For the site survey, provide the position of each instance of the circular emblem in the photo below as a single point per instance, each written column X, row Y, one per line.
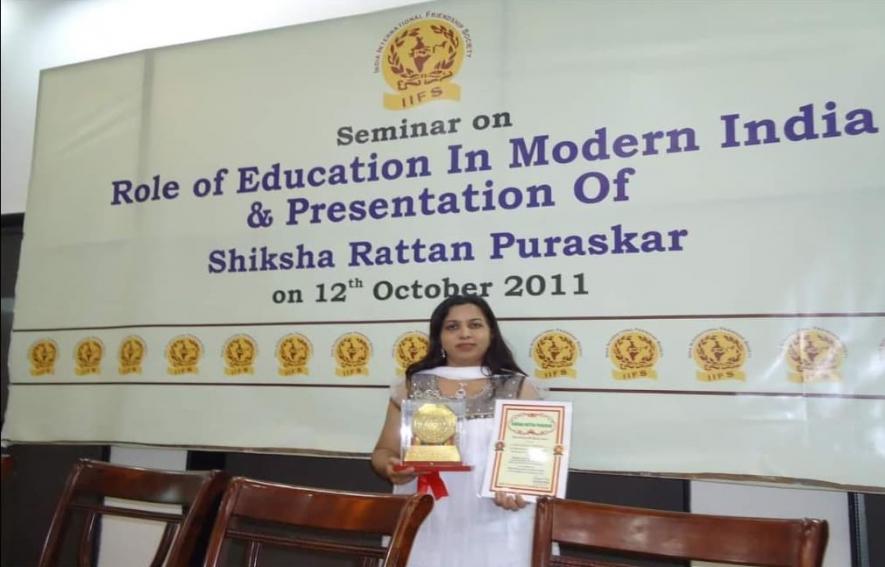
column 132, row 351
column 293, row 351
column 633, row 350
column 87, row 356
column 410, row 348
column 183, row 354
column 421, row 54
column 434, row 424
column 351, row 352
column 719, row 349
column 555, row 353
column 814, row 354
column 240, row 351
column 42, row 356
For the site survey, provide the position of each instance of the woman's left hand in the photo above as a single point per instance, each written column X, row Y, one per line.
column 510, row 501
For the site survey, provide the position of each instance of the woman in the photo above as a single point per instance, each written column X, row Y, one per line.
column 469, row 360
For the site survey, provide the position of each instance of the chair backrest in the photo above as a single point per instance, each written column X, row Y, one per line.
column 90, row 481
column 249, row 506
column 640, row 532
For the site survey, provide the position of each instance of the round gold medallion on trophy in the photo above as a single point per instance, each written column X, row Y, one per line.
column 434, row 424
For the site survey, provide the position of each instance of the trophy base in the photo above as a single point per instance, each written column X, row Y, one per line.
column 423, row 467
column 432, row 454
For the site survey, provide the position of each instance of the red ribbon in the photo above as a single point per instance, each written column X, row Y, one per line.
column 433, row 483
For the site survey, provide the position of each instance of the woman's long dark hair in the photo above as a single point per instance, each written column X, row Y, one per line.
column 498, row 358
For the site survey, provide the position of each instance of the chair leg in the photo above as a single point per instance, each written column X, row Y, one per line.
column 87, row 541
column 165, row 544
column 252, row 554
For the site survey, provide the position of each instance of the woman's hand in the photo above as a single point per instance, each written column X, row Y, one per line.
column 400, row 476
column 510, row 501
column 386, row 454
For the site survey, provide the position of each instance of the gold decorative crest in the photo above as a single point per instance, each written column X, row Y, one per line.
column 409, row 349
column 352, row 352
column 720, row 354
column 87, row 356
column 293, row 354
column 555, row 353
column 42, row 356
column 183, row 355
column 239, row 355
column 634, row 354
column 814, row 355
column 419, row 62
column 131, row 355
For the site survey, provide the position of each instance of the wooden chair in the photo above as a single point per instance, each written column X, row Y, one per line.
column 90, row 481
column 639, row 532
column 250, row 508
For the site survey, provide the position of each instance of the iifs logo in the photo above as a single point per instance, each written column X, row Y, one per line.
column 410, row 348
column 634, row 353
column 420, row 60
column 87, row 356
column 555, row 352
column 352, row 352
column 814, row 355
column 720, row 354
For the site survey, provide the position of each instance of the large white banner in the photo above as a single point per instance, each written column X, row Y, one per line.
column 675, row 208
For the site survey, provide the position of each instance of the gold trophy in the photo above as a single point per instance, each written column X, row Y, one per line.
column 431, row 434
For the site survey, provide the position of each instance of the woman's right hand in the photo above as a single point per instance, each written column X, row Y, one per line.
column 398, row 476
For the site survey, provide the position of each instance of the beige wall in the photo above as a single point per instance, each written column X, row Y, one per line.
column 38, row 34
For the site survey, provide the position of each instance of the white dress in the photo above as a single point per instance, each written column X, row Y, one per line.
column 465, row 529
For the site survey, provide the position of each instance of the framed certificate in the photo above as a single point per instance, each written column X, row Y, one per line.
column 530, row 450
